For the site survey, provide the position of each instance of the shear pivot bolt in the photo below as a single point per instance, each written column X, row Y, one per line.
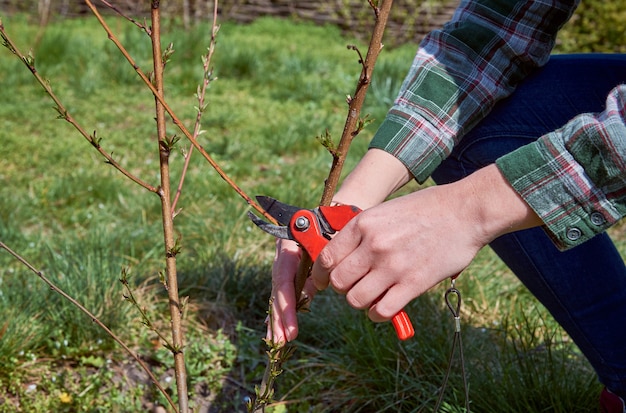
column 302, row 223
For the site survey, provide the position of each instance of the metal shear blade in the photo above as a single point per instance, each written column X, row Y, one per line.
column 280, row 211
column 284, row 213
column 275, row 230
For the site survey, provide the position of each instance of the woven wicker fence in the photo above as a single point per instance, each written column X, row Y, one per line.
column 409, row 20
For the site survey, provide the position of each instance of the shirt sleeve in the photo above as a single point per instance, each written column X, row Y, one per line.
column 575, row 178
column 461, row 71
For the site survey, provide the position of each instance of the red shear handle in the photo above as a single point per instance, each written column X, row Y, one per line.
column 403, row 326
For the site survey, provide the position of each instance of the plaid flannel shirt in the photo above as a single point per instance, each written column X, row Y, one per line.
column 574, row 178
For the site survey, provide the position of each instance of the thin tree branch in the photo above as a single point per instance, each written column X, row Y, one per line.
column 130, row 297
column 143, row 26
column 352, row 127
column 279, row 352
column 200, row 94
column 171, row 248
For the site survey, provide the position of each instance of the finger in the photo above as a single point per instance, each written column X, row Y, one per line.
column 368, row 290
column 284, row 312
column 341, row 246
column 351, row 271
column 319, row 274
column 283, row 325
column 286, row 259
column 390, row 303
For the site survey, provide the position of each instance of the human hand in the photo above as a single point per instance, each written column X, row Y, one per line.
column 283, row 324
column 393, row 252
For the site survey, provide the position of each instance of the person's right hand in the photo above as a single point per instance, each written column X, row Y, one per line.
column 391, row 253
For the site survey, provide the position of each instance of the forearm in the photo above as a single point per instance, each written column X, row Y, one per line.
column 486, row 199
column 377, row 175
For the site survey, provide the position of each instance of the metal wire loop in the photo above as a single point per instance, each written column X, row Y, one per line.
column 455, row 309
column 453, row 301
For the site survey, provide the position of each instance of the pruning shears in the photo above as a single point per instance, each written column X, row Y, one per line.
column 312, row 230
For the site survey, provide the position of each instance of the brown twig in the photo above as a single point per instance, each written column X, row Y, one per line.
column 277, row 354
column 352, row 127
column 143, row 26
column 130, row 297
column 93, row 318
column 171, row 249
column 374, row 8
column 200, row 94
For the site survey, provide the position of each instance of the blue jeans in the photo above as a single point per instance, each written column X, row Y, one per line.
column 583, row 288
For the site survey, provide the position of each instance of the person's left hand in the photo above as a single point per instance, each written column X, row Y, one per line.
column 283, row 325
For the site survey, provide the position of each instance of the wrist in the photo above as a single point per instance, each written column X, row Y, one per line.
column 493, row 205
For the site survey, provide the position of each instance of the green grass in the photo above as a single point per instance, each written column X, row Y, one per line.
column 280, row 84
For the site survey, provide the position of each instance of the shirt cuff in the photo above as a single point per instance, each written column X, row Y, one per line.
column 413, row 140
column 557, row 188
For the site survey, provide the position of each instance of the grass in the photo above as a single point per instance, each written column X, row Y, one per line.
column 279, row 85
